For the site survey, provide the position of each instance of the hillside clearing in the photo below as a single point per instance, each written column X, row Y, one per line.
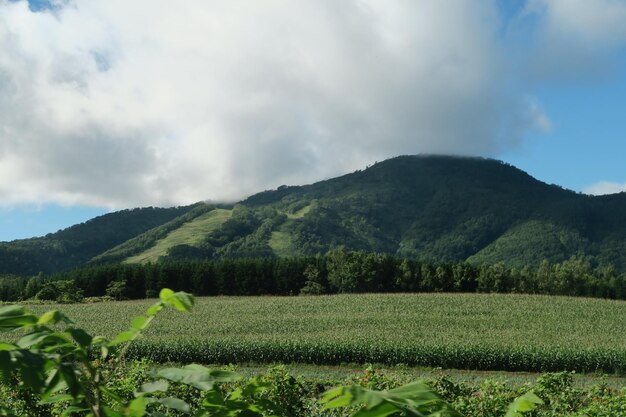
column 191, row 233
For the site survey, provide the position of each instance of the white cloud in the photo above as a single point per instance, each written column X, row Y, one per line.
column 598, row 21
column 605, row 187
column 119, row 103
column 576, row 39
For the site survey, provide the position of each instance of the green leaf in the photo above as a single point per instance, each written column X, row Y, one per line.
column 196, row 376
column 98, row 340
column 54, row 383
column 104, row 351
column 74, row 409
column 217, row 374
column 154, row 309
column 109, row 412
column 11, row 320
column 414, row 390
column 411, row 399
column 181, row 300
column 7, row 346
column 12, row 311
column 337, row 397
column 137, row 407
column 523, row 404
column 107, row 392
column 236, row 394
column 150, row 387
column 139, row 322
column 81, row 337
column 53, row 317
column 73, row 384
column 32, row 339
column 6, row 365
column 56, row 399
column 383, row 409
column 175, row 404
column 165, row 294
column 123, row 337
column 214, row 399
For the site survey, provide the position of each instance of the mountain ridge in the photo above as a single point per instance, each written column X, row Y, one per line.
column 431, row 207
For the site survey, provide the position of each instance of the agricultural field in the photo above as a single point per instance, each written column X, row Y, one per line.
column 462, row 331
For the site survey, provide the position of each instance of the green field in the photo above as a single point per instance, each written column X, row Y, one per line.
column 191, row 233
column 477, row 331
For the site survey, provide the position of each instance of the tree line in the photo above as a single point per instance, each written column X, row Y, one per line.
column 339, row 271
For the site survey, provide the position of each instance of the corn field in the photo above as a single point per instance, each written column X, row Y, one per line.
column 465, row 331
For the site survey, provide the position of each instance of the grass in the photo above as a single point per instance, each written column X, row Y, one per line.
column 337, row 374
column 280, row 241
column 191, row 233
column 300, row 213
column 463, row 331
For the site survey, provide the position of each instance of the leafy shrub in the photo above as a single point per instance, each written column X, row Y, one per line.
column 64, row 291
column 312, row 288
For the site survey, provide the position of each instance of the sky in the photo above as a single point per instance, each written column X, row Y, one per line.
column 111, row 104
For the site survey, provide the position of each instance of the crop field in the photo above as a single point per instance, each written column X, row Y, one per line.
column 463, row 331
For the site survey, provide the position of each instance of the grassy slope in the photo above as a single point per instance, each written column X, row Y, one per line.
column 495, row 329
column 191, row 233
column 281, row 240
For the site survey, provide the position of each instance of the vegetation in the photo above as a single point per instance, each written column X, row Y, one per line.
column 445, row 209
column 430, row 208
column 189, row 234
column 340, row 271
column 76, row 245
column 293, row 395
column 150, row 238
column 57, row 368
column 461, row 331
column 51, row 372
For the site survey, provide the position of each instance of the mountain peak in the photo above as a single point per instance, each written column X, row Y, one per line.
column 431, row 207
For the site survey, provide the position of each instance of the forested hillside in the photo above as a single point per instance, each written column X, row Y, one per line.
column 430, row 208
column 76, row 245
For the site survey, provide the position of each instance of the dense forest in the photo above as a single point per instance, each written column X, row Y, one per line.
column 435, row 209
column 339, row 271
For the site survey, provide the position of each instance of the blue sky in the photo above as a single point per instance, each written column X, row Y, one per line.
column 112, row 104
column 587, row 142
column 29, row 221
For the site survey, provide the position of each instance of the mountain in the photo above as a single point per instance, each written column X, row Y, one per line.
column 76, row 245
column 436, row 208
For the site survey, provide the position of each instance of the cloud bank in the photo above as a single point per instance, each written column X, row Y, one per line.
column 605, row 187
column 116, row 103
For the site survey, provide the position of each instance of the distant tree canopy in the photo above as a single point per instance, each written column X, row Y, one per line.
column 339, row 271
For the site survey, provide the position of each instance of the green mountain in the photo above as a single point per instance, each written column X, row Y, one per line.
column 78, row 244
column 436, row 208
